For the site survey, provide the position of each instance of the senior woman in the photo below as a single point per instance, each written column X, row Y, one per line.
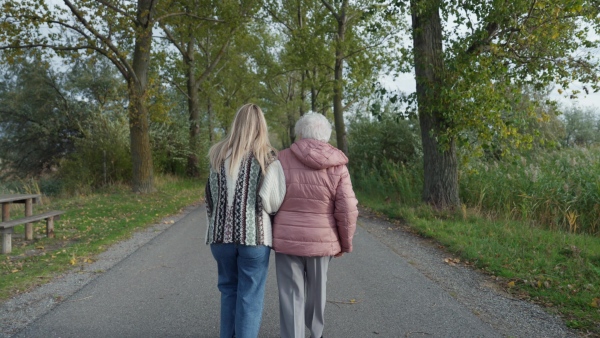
column 315, row 222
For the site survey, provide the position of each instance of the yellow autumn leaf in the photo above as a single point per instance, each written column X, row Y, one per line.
column 511, row 284
column 73, row 260
column 15, row 270
column 595, row 302
column 539, row 284
column 352, row 301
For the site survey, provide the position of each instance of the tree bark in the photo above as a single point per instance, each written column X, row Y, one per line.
column 338, row 86
column 440, row 162
column 141, row 155
column 313, row 91
column 193, row 108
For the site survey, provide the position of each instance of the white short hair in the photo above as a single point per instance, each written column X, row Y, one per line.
column 314, row 126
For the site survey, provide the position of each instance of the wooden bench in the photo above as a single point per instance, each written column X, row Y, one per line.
column 6, row 228
column 28, row 200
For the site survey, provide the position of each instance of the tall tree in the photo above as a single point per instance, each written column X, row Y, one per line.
column 120, row 31
column 364, row 35
column 202, row 38
column 496, row 48
column 440, row 163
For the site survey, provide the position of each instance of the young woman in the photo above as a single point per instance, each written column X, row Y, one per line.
column 245, row 185
column 316, row 221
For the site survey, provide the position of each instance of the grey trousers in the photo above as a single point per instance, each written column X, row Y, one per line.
column 302, row 283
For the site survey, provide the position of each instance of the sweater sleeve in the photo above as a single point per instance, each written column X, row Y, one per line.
column 273, row 188
column 346, row 211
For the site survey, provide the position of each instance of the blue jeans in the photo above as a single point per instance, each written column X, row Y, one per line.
column 242, row 277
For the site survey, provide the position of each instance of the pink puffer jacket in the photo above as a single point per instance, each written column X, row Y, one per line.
column 319, row 211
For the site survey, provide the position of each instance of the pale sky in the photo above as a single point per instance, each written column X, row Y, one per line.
column 406, row 83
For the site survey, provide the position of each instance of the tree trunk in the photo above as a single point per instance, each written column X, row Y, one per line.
column 440, row 163
column 141, row 154
column 291, row 129
column 193, row 110
column 209, row 114
column 313, row 90
column 338, row 86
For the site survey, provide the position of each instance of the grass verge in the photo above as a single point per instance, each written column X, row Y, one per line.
column 558, row 270
column 91, row 223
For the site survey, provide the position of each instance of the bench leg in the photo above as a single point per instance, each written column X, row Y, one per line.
column 50, row 227
column 5, row 212
column 28, row 226
column 6, row 241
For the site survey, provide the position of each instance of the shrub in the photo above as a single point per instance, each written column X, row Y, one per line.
column 101, row 157
column 373, row 143
column 386, row 158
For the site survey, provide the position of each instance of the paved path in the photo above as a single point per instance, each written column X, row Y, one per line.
column 167, row 288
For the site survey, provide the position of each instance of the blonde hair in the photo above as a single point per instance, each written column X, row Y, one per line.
column 248, row 133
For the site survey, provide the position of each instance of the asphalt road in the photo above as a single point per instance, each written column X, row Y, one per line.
column 167, row 288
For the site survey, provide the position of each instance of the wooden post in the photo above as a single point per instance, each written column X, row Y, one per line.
column 6, row 240
column 28, row 226
column 50, row 227
column 5, row 212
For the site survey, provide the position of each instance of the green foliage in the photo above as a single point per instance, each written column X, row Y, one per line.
column 582, row 127
column 101, row 157
column 558, row 190
column 170, row 146
column 390, row 182
column 500, row 53
column 385, row 151
column 39, row 119
column 390, row 139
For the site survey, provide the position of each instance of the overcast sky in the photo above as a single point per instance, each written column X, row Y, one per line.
column 406, row 83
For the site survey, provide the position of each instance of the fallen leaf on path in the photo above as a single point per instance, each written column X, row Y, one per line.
column 511, row 284
column 452, row 261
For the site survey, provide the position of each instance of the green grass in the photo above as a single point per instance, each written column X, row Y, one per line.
column 558, row 190
column 558, row 270
column 91, row 223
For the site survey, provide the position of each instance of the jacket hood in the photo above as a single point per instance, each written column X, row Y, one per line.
column 318, row 154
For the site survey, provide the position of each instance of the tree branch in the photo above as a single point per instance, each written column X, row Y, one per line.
column 274, row 15
column 189, row 15
column 119, row 66
column 492, row 30
column 331, row 9
column 173, row 40
column 214, row 63
column 124, row 65
column 176, row 86
column 118, row 10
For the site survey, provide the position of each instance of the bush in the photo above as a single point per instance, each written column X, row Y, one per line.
column 101, row 157
column 373, row 143
column 386, row 158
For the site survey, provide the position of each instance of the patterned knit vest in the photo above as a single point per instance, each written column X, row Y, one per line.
column 241, row 222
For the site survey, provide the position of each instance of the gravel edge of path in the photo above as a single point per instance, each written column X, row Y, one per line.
column 21, row 310
column 479, row 292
